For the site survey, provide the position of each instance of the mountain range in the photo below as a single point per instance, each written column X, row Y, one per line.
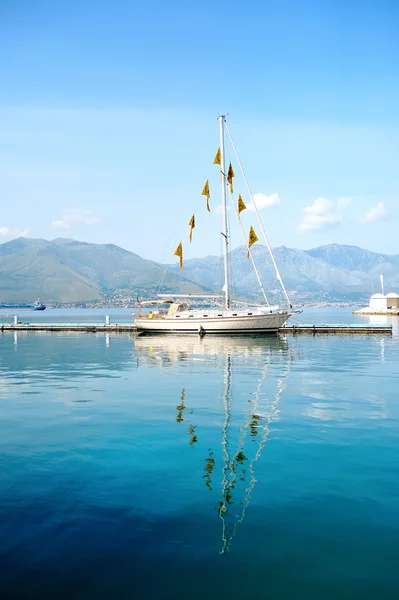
column 335, row 271
column 68, row 271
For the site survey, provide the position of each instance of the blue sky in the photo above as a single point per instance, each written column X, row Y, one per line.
column 108, row 120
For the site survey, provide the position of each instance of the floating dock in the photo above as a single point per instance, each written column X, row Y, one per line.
column 310, row 329
column 355, row 328
column 80, row 327
column 375, row 312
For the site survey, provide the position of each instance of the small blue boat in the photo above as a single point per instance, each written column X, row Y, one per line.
column 38, row 305
column 35, row 306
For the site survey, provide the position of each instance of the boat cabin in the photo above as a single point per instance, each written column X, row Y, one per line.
column 167, row 309
column 162, row 308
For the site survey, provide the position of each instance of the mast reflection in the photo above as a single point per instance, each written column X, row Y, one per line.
column 240, row 447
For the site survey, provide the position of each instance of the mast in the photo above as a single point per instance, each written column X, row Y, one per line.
column 225, row 232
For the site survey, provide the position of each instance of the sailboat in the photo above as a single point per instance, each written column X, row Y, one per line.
column 177, row 314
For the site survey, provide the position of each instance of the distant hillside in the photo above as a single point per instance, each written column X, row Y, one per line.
column 65, row 270
column 350, row 258
column 366, row 264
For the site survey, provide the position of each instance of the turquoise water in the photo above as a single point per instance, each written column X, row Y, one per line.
column 186, row 468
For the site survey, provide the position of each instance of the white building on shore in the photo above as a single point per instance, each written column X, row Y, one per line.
column 381, row 304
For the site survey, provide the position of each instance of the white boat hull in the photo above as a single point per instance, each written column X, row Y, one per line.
column 264, row 323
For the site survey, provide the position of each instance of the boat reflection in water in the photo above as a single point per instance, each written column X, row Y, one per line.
column 246, row 424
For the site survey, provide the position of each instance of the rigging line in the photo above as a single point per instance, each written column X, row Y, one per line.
column 281, row 385
column 249, row 250
column 258, row 216
column 173, row 234
column 243, row 435
column 269, row 265
column 164, row 250
column 244, row 429
column 161, row 280
column 271, row 287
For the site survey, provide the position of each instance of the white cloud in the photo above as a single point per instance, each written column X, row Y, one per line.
column 378, row 213
column 323, row 213
column 263, row 201
column 321, row 206
column 75, row 217
column 13, row 232
column 319, row 215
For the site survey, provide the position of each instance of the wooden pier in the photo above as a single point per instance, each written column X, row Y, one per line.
column 79, row 327
column 323, row 329
column 353, row 328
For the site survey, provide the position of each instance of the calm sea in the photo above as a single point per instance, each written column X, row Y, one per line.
column 174, row 467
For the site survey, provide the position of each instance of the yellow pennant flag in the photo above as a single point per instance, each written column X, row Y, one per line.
column 217, row 160
column 241, row 204
column 252, row 238
column 179, row 252
column 205, row 192
column 230, row 176
column 192, row 225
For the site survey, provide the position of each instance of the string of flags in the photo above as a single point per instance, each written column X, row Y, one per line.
column 230, row 176
column 252, row 237
column 241, row 204
column 179, row 252
column 191, row 225
column 218, row 161
column 205, row 192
